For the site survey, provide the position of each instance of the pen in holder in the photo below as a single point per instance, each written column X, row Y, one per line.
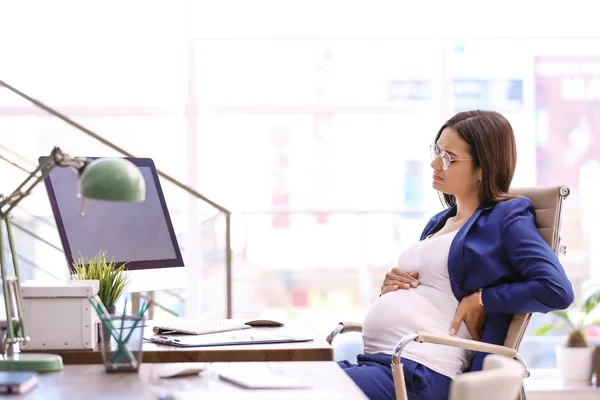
column 122, row 350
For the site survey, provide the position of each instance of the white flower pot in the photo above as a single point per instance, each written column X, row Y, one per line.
column 575, row 364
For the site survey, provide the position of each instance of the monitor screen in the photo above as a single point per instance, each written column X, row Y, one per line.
column 138, row 234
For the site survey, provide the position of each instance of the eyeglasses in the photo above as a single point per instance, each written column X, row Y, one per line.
column 436, row 152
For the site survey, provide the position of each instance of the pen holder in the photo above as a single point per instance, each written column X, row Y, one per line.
column 122, row 350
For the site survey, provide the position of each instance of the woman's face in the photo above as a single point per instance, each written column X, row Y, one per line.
column 461, row 178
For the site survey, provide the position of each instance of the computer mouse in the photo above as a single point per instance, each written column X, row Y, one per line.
column 263, row 323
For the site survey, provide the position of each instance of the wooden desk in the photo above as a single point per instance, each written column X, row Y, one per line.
column 90, row 382
column 317, row 350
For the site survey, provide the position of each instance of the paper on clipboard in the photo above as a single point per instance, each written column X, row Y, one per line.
column 264, row 377
column 224, row 339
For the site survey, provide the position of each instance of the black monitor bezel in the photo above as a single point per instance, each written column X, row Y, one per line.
column 129, row 265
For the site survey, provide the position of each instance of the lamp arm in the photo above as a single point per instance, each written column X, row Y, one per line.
column 13, row 253
column 18, row 194
column 7, row 298
column 56, row 158
column 13, row 301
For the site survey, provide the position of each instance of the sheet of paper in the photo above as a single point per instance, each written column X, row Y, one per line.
column 251, row 380
column 223, row 339
column 264, row 376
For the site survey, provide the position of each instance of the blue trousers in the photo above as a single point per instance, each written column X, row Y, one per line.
column 373, row 375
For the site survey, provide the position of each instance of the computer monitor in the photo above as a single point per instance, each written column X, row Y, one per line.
column 139, row 235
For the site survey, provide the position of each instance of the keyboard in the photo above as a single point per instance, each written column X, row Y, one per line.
column 193, row 327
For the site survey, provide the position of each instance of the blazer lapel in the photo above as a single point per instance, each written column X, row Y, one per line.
column 456, row 255
column 449, row 212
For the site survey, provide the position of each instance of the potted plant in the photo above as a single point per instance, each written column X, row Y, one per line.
column 113, row 279
column 575, row 359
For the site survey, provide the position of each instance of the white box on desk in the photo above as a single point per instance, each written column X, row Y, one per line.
column 58, row 314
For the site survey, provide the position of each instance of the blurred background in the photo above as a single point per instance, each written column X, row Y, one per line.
column 310, row 121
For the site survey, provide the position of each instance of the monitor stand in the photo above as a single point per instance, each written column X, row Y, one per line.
column 149, row 280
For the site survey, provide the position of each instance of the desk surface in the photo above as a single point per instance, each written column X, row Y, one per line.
column 90, row 382
column 317, row 350
column 328, row 381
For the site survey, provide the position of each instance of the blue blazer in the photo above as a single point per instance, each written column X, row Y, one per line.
column 500, row 250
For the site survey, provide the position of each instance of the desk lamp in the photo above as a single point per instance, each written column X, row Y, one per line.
column 113, row 179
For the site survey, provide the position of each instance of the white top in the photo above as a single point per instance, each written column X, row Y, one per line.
column 429, row 307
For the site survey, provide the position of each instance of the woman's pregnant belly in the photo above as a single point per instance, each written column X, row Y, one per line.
column 402, row 312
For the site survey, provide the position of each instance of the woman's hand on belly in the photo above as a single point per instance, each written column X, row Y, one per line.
column 472, row 313
column 398, row 279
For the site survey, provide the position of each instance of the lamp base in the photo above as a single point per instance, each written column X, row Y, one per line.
column 31, row 362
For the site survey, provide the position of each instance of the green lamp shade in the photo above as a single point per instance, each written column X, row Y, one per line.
column 113, row 179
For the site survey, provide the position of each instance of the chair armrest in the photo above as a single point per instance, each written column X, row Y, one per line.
column 425, row 337
column 447, row 340
column 344, row 327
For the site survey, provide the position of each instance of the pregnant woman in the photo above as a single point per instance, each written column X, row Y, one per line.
column 477, row 263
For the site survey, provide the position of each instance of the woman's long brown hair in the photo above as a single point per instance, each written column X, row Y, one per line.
column 492, row 145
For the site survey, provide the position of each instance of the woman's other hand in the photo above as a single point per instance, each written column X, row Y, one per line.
column 398, row 279
column 474, row 315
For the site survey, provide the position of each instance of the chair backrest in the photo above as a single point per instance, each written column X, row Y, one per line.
column 500, row 379
column 547, row 202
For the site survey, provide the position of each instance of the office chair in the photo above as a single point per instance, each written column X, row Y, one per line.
column 500, row 379
column 547, row 202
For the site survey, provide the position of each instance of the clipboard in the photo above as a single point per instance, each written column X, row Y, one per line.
column 223, row 340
